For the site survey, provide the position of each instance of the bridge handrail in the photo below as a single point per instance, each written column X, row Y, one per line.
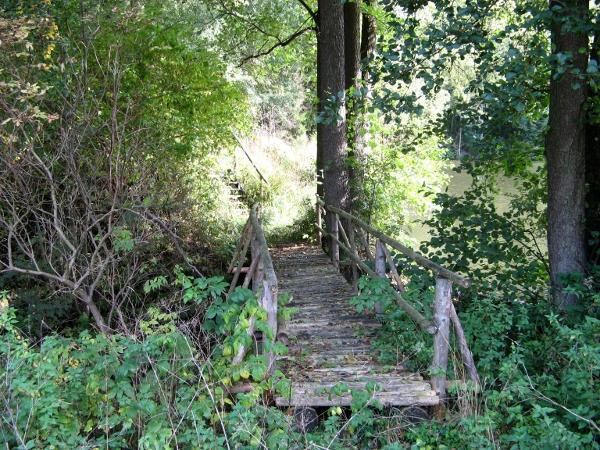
column 262, row 275
column 444, row 313
column 410, row 253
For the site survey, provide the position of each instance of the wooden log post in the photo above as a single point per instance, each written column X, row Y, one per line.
column 240, row 263
column 238, row 247
column 319, row 224
column 352, row 240
column 268, row 302
column 441, row 339
column 379, row 270
column 268, row 288
column 334, row 243
column 258, row 275
column 465, row 352
column 251, row 271
column 393, row 269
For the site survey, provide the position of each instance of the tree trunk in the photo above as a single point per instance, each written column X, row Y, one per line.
column 565, row 152
column 352, row 45
column 320, row 127
column 333, row 132
column 592, row 170
column 368, row 38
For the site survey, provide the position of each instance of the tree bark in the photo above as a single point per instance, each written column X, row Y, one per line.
column 368, row 38
column 352, row 46
column 332, row 78
column 592, row 170
column 320, row 127
column 565, row 151
column 358, row 141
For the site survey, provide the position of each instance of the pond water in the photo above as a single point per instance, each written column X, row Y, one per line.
column 458, row 184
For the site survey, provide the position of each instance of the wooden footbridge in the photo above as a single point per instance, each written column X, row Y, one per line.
column 329, row 343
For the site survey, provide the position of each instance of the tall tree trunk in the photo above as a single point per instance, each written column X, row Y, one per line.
column 320, row 127
column 565, row 151
column 333, row 132
column 352, row 46
column 368, row 38
column 359, row 142
column 592, row 170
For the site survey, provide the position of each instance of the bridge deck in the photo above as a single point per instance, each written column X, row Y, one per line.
column 330, row 342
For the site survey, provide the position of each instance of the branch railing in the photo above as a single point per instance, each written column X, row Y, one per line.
column 261, row 274
column 350, row 234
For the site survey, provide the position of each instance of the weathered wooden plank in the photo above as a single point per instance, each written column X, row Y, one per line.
column 393, row 384
column 339, row 334
column 342, row 320
column 329, row 342
column 310, row 377
column 426, row 398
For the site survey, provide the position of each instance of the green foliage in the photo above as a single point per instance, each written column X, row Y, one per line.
column 402, row 173
column 485, row 66
column 154, row 392
column 398, row 341
column 96, row 390
column 278, row 79
column 502, row 251
column 540, row 370
column 151, row 94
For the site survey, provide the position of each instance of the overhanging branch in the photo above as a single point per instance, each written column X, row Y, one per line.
column 280, row 43
column 312, row 13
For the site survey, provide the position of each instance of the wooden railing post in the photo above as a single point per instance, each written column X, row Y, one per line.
column 319, row 224
column 465, row 352
column 266, row 283
column 441, row 343
column 268, row 302
column 258, row 275
column 334, row 243
column 444, row 312
column 247, row 238
column 352, row 240
column 379, row 269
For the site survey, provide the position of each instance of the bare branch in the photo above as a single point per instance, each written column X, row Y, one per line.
column 280, row 43
column 313, row 14
column 174, row 237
